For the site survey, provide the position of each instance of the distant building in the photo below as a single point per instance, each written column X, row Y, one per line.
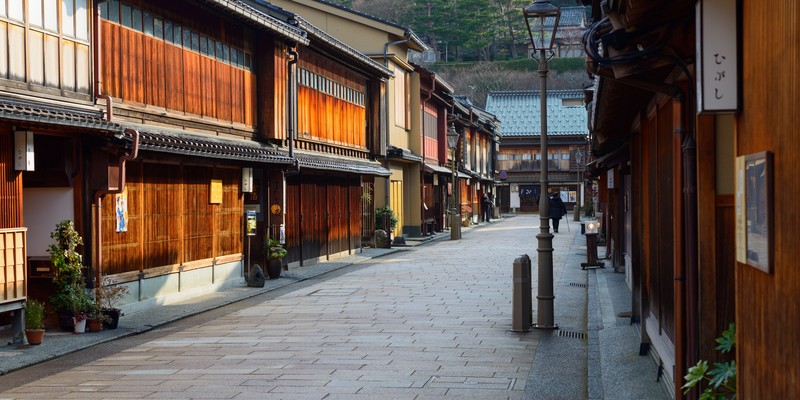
column 519, row 156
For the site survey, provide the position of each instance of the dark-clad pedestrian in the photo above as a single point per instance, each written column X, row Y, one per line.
column 557, row 210
column 486, row 203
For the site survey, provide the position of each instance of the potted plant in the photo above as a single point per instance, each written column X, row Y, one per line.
column 74, row 303
column 70, row 300
column 107, row 296
column 96, row 317
column 383, row 213
column 275, row 252
column 385, row 222
column 34, row 321
column 466, row 215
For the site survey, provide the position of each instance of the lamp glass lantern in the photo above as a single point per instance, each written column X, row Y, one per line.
column 455, row 227
column 542, row 19
column 452, row 137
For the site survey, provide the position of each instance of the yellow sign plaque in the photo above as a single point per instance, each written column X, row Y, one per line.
column 215, row 192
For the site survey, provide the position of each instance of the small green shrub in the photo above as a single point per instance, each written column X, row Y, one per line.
column 274, row 249
column 721, row 379
column 380, row 213
column 34, row 314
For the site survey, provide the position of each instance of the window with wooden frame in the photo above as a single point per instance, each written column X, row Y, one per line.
column 402, row 99
column 38, row 50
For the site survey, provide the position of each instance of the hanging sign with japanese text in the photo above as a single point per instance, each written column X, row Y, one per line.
column 717, row 56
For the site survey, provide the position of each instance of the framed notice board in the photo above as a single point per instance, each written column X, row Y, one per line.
column 754, row 210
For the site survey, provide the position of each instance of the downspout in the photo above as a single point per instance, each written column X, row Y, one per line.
column 98, row 199
column 291, row 98
column 98, row 83
column 291, row 126
column 385, row 144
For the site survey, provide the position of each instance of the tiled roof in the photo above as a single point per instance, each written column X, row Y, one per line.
column 249, row 13
column 342, row 164
column 408, row 32
column 518, row 112
column 349, row 51
column 14, row 109
column 173, row 141
column 572, row 16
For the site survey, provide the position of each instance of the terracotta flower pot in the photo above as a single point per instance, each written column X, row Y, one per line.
column 94, row 325
column 34, row 336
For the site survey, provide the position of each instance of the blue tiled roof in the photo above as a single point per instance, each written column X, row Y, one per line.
column 572, row 16
column 518, row 112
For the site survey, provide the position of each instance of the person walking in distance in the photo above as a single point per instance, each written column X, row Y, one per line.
column 557, row 210
column 486, row 202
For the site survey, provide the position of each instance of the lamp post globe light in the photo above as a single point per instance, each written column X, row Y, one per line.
column 455, row 216
column 541, row 18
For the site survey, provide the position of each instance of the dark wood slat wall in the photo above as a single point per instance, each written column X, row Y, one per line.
column 665, row 219
column 170, row 219
column 147, row 70
column 768, row 305
column 10, row 182
column 331, row 218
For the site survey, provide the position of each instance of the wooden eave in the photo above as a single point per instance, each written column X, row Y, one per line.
column 622, row 90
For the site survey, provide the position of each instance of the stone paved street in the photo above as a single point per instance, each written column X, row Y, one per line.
column 427, row 322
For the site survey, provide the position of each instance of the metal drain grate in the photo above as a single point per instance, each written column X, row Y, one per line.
column 578, row 284
column 572, row 335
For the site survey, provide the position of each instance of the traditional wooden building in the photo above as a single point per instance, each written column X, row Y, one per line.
column 477, row 149
column 437, row 182
column 329, row 196
column 155, row 129
column 519, row 157
column 694, row 135
column 389, row 44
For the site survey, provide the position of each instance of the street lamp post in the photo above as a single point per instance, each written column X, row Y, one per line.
column 455, row 216
column 541, row 18
column 578, row 191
